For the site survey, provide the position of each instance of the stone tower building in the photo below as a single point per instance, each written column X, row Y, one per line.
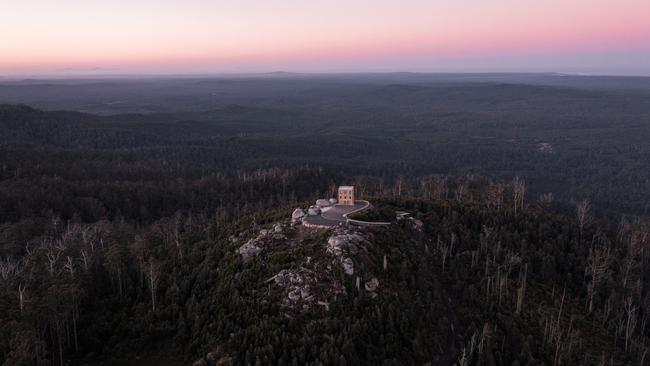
column 346, row 195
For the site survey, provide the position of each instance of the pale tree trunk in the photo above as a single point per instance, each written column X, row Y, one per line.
column 461, row 192
column 75, row 315
column 495, row 195
column 21, row 297
column 439, row 189
column 398, row 188
column 583, row 215
column 630, row 324
column 153, row 273
column 521, row 289
column 518, row 193
column 598, row 268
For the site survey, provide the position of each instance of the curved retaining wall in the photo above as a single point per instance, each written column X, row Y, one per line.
column 316, row 226
column 363, row 223
column 367, row 223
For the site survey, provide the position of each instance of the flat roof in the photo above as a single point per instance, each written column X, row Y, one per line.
column 346, row 187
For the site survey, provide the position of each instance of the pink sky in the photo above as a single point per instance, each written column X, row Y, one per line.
column 203, row 36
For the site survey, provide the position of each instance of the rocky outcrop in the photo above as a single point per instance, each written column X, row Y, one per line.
column 312, row 282
column 323, row 203
column 277, row 232
column 201, row 362
column 225, row 361
column 372, row 285
column 342, row 240
column 296, row 283
column 342, row 244
column 297, row 215
column 254, row 246
column 250, row 249
column 215, row 358
column 348, row 266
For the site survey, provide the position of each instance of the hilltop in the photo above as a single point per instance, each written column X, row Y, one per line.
column 484, row 285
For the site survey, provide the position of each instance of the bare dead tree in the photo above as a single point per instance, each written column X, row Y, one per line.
column 75, row 316
column 445, row 253
column 642, row 357
column 153, row 275
column 502, row 281
column 597, row 269
column 115, row 254
column 177, row 236
column 495, row 195
column 631, row 319
column 29, row 250
column 624, row 229
column 474, row 258
column 518, row 194
column 608, row 307
column 486, row 334
column 473, row 344
column 21, row 297
column 556, row 334
column 425, row 187
column 69, row 266
column 61, row 245
column 8, row 268
column 545, row 200
column 521, row 288
column 452, row 241
column 630, row 264
column 56, row 221
column 382, row 187
column 512, row 260
column 462, row 192
column 464, row 358
column 583, row 215
column 360, row 188
column 86, row 234
column 140, row 252
column 439, row 188
column 53, row 256
column 85, row 258
column 332, row 189
column 559, row 313
column 398, row 186
column 485, row 238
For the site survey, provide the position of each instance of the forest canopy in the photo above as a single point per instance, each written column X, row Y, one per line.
column 124, row 204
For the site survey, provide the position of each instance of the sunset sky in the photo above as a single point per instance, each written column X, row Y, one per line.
column 201, row 36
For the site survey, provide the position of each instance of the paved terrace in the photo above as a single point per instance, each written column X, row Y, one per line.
column 338, row 213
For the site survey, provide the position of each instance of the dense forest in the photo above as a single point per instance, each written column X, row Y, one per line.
column 124, row 203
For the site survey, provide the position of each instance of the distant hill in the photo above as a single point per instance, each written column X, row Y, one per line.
column 597, row 140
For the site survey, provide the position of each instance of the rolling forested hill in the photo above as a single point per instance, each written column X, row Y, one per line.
column 577, row 137
column 123, row 204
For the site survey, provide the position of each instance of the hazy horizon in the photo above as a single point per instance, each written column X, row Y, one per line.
column 73, row 37
column 279, row 73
